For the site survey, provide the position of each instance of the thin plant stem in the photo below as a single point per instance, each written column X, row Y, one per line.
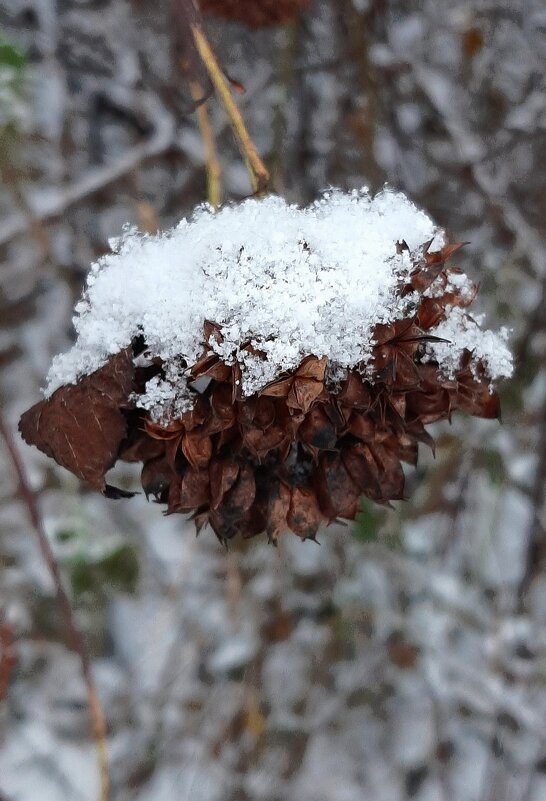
column 259, row 176
column 77, row 641
column 213, row 166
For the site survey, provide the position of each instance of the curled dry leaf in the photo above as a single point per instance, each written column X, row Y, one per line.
column 82, row 426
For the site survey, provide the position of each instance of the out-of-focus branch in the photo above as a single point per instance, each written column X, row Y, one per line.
column 527, row 239
column 8, row 659
column 213, row 166
column 287, row 56
column 56, row 203
column 78, row 644
column 536, row 547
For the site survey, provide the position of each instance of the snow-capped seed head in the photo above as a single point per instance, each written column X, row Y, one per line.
column 289, row 281
column 269, row 365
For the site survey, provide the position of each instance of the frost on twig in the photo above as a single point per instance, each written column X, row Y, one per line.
column 283, row 361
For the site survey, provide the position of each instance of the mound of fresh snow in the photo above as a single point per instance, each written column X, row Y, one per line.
column 290, row 281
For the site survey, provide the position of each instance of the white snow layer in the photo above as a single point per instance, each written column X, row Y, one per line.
column 290, row 281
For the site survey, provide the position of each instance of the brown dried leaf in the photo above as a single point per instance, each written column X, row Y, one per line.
column 314, row 368
column 210, row 366
column 260, row 443
column 240, row 498
column 264, row 413
column 355, row 394
column 197, row 415
column 171, row 450
column 428, row 407
column 474, row 397
column 278, row 389
column 164, row 432
column 391, row 477
column 362, row 426
column 430, row 313
column 362, row 468
column 223, row 412
column 141, row 449
column 212, row 330
column 81, row 426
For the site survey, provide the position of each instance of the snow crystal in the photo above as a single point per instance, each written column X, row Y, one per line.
column 463, row 332
column 289, row 281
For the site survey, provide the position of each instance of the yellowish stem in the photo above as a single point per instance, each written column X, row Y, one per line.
column 259, row 177
column 99, row 732
column 213, row 166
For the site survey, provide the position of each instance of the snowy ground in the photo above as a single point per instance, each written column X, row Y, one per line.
column 402, row 659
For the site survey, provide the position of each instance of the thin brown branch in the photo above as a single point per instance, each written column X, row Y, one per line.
column 259, row 176
column 201, row 64
column 213, row 166
column 536, row 547
column 77, row 641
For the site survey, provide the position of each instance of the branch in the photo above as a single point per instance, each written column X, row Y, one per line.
column 56, row 203
column 95, row 710
column 213, row 166
column 468, row 145
column 259, row 176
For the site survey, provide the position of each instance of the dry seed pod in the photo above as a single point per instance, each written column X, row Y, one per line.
column 300, row 449
column 255, row 13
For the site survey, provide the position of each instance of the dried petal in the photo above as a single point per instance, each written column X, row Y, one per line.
column 223, row 475
column 82, row 426
column 197, row 448
column 279, row 506
column 304, row 515
column 335, row 490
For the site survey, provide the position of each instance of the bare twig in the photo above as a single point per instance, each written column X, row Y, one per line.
column 78, row 644
column 527, row 239
column 8, row 658
column 201, row 65
column 259, row 177
column 213, row 166
column 198, row 53
column 56, row 203
column 536, row 547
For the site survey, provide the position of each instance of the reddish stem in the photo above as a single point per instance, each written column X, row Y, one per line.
column 95, row 710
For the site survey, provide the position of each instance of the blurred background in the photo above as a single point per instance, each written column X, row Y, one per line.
column 404, row 658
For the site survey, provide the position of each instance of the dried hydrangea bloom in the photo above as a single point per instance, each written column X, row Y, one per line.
column 269, row 365
column 255, row 13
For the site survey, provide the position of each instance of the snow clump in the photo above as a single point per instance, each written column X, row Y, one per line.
column 290, row 281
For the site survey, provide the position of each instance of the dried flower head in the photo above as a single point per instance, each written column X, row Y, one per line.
column 269, row 365
column 255, row 13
